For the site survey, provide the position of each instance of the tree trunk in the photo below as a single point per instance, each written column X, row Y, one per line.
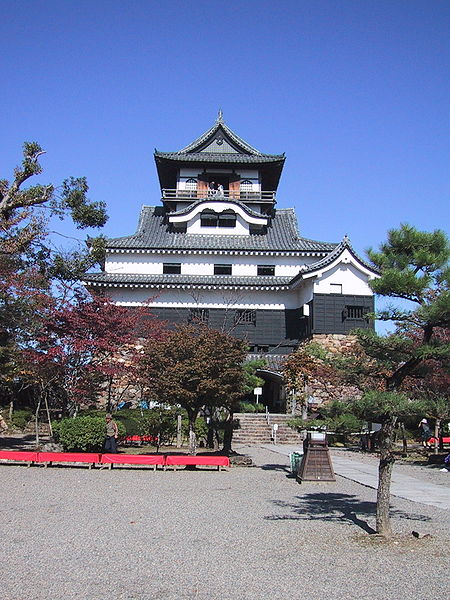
column 228, row 433
column 383, row 523
column 437, row 429
column 11, row 410
column 36, row 420
column 404, row 441
column 192, row 436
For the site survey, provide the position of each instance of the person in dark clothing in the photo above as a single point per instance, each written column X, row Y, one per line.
column 112, row 432
column 425, row 433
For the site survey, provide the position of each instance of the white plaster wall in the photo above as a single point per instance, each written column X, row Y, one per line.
column 206, row 298
column 152, row 264
column 351, row 279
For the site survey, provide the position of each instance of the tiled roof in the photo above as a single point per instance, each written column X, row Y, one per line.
column 220, row 144
column 216, row 157
column 282, row 236
column 186, row 280
column 338, row 250
column 275, row 362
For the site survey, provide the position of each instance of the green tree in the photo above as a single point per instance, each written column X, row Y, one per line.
column 29, row 264
column 193, row 367
column 413, row 266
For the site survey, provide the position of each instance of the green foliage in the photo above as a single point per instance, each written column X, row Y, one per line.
column 251, row 407
column 201, row 428
column 300, row 424
column 84, row 212
column 21, row 418
column 161, row 424
column 85, row 434
column 383, row 405
column 410, row 262
column 251, row 380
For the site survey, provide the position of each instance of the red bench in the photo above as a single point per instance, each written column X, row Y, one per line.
column 217, row 461
column 71, row 457
column 133, row 459
column 138, row 439
column 20, row 456
column 445, row 440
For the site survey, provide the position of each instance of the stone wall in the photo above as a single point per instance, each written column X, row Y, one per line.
column 318, row 392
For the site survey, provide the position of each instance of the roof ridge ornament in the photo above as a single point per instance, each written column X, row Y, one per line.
column 219, row 116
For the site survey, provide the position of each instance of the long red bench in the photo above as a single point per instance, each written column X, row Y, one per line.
column 178, row 460
column 92, row 459
column 20, row 456
column 138, row 439
column 445, row 440
column 133, row 459
column 71, row 457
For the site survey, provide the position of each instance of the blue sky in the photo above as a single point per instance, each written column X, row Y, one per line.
column 355, row 93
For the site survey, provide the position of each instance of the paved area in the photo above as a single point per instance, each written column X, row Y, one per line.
column 402, row 486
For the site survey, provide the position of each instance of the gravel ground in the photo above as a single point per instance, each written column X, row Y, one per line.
column 244, row 534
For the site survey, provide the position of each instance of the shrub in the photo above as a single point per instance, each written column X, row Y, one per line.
column 86, row 434
column 250, row 407
column 160, row 424
column 21, row 418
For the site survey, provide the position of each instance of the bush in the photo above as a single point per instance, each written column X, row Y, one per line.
column 85, row 434
column 160, row 424
column 21, row 418
column 251, row 407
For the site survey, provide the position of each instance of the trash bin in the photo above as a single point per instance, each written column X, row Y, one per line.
column 296, row 460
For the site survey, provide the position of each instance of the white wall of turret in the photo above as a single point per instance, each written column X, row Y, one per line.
column 197, row 264
column 225, row 299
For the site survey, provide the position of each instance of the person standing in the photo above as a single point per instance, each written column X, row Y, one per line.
column 425, row 432
column 112, row 433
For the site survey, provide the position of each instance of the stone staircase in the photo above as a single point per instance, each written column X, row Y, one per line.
column 252, row 429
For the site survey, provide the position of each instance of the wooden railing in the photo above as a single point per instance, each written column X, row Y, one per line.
column 231, row 194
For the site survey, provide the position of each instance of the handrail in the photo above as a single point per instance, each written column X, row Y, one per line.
column 262, row 196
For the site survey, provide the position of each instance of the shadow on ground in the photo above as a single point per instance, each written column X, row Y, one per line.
column 18, row 442
column 276, row 467
column 344, row 508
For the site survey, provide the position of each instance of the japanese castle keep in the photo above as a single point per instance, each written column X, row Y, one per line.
column 217, row 249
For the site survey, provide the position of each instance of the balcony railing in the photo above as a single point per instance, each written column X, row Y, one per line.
column 241, row 195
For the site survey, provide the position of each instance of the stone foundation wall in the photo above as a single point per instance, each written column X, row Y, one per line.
column 318, row 392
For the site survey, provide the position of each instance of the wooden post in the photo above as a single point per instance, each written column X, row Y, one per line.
column 179, row 431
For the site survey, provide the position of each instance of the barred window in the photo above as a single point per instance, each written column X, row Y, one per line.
column 199, row 315
column 354, row 312
column 246, row 185
column 222, row 269
column 266, row 270
column 208, row 218
column 172, row 268
column 227, row 218
column 245, row 316
column 191, row 184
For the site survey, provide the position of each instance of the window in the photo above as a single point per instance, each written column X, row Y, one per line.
column 222, row 269
column 262, row 349
column 246, row 186
column 245, row 316
column 172, row 268
column 227, row 219
column 199, row 315
column 191, row 184
column 266, row 270
column 208, row 218
column 354, row 313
